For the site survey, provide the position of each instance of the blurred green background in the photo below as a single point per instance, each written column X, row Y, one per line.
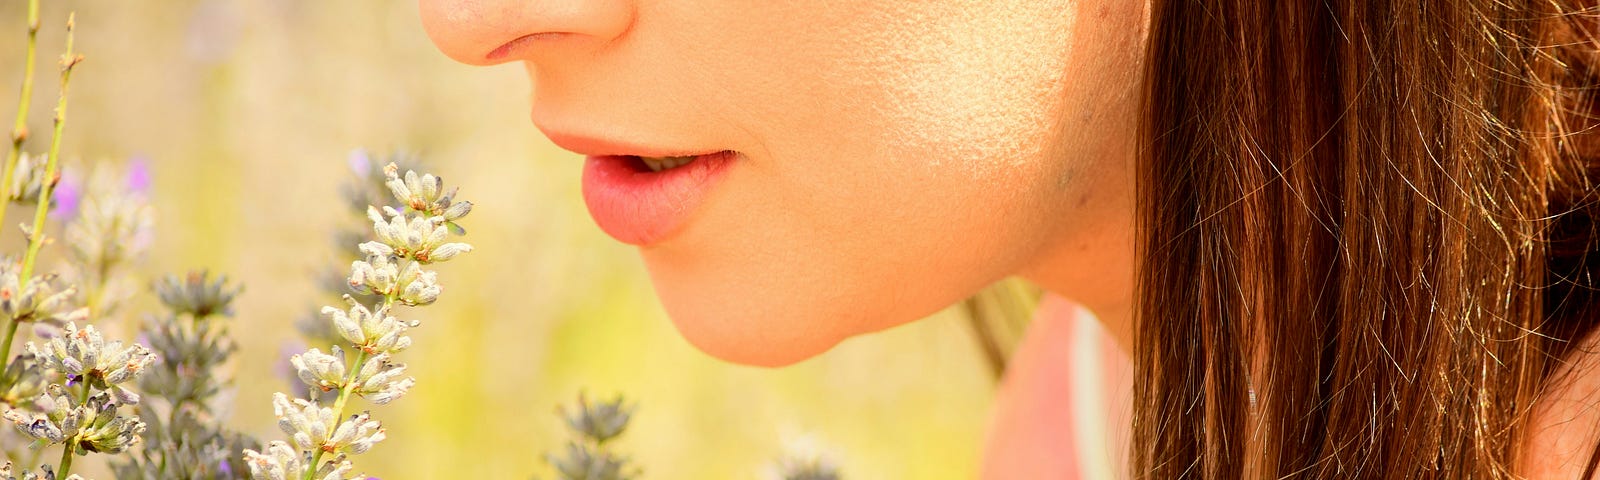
column 246, row 111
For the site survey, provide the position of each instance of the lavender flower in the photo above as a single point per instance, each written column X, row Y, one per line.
column 23, row 380
column 138, row 179
column 426, row 194
column 601, row 421
column 27, row 179
column 84, row 414
column 586, row 462
column 46, row 474
column 68, row 192
column 808, row 469
column 588, row 457
column 372, row 332
column 91, row 425
column 45, row 301
column 197, row 294
column 110, row 228
column 280, row 462
column 187, row 441
column 391, row 273
column 805, row 460
column 366, row 189
column 84, row 356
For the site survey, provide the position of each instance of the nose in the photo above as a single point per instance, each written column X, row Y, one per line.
column 487, row 32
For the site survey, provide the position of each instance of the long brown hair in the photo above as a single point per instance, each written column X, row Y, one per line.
column 1366, row 234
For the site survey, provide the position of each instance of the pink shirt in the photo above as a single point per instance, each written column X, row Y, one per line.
column 1062, row 410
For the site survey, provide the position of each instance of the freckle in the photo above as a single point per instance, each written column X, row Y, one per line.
column 1083, row 199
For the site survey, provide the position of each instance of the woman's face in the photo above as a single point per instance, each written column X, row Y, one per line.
column 884, row 158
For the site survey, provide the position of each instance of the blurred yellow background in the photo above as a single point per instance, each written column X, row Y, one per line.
column 247, row 109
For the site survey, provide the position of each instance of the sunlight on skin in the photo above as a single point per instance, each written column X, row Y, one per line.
column 929, row 149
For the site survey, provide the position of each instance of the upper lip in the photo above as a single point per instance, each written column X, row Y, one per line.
column 596, row 145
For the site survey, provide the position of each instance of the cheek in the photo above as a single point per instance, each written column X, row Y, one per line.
column 909, row 177
column 973, row 88
column 783, row 270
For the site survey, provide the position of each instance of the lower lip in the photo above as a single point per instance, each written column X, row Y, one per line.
column 641, row 207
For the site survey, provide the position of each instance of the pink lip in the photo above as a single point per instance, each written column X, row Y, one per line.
column 629, row 201
column 641, row 207
column 596, row 146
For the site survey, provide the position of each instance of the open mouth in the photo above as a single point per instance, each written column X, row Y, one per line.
column 656, row 164
column 641, row 200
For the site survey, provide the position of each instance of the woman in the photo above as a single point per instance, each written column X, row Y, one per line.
column 1339, row 238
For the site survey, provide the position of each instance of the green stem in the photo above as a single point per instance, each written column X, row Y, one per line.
column 348, row 388
column 11, row 334
column 19, row 132
column 36, row 236
column 52, row 165
column 349, row 385
column 338, row 407
column 72, row 442
column 66, row 458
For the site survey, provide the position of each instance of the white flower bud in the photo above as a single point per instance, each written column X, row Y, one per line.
column 320, row 370
column 430, row 186
column 308, row 424
column 457, row 210
column 336, row 469
column 356, row 434
column 399, row 189
column 279, row 462
column 422, row 291
column 349, row 328
column 86, row 353
column 375, row 249
column 392, row 391
column 380, row 380
column 444, row 252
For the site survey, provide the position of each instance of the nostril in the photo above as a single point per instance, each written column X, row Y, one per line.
column 509, row 48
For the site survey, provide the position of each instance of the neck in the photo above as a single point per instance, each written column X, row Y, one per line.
column 1095, row 269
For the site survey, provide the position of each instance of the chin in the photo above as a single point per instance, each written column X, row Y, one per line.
column 773, row 348
column 752, row 325
column 752, row 293
column 756, row 323
column 748, row 328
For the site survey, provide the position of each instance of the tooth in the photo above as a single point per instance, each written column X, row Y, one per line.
column 664, row 163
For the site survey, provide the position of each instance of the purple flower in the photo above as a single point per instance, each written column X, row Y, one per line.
column 68, row 193
column 359, row 162
column 138, row 179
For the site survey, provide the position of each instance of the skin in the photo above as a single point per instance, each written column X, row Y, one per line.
column 896, row 157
